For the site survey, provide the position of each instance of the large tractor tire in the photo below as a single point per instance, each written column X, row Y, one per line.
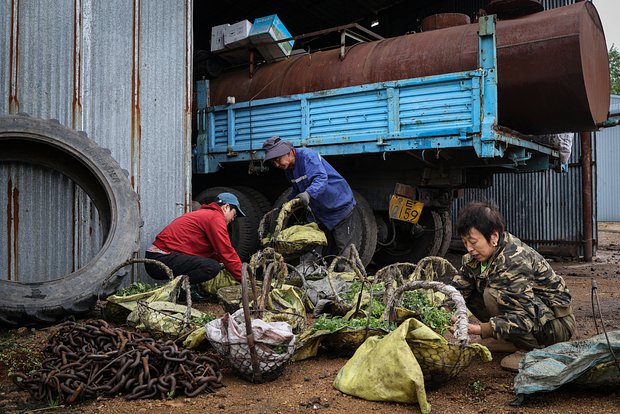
column 49, row 144
column 243, row 230
column 368, row 240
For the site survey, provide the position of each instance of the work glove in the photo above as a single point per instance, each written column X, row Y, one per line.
column 304, row 197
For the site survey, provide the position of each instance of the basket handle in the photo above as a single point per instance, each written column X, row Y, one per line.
column 165, row 268
column 248, row 323
column 461, row 324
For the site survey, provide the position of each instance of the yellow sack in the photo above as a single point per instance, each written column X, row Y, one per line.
column 296, row 239
column 118, row 308
column 287, row 305
column 221, row 280
column 385, row 369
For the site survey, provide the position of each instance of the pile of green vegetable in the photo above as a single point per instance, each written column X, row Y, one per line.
column 417, row 301
column 135, row 288
column 325, row 323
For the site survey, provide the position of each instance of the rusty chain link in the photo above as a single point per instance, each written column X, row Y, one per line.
column 83, row 361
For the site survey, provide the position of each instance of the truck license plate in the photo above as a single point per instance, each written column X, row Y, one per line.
column 405, row 209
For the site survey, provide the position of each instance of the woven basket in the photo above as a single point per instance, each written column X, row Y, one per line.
column 439, row 362
column 255, row 360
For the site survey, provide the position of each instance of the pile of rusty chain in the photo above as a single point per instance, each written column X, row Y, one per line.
column 94, row 359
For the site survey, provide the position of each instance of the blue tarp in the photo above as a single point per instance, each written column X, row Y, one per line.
column 588, row 362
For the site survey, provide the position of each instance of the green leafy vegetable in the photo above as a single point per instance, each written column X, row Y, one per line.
column 325, row 323
column 135, row 288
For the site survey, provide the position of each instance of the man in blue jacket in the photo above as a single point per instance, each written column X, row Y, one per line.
column 318, row 185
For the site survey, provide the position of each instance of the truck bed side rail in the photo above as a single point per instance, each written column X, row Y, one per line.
column 449, row 111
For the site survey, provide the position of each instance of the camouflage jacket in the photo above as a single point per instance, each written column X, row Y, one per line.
column 526, row 288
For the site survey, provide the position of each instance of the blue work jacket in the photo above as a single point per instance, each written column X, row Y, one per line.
column 331, row 198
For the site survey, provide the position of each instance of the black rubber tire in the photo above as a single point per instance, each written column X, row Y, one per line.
column 72, row 153
column 243, row 230
column 446, row 239
column 261, row 202
column 409, row 248
column 368, row 243
column 366, row 246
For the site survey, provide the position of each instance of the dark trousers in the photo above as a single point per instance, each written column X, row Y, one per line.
column 348, row 232
column 199, row 269
column 484, row 307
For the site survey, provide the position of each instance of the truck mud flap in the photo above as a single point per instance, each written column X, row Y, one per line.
column 47, row 143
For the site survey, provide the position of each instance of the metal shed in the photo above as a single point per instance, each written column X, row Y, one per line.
column 122, row 72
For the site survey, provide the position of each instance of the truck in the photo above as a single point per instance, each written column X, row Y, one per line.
column 405, row 141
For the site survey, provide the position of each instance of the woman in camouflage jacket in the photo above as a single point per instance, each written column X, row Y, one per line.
column 509, row 286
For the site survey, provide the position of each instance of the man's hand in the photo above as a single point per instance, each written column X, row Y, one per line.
column 304, row 197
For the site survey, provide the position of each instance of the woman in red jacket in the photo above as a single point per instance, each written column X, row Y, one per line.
column 195, row 243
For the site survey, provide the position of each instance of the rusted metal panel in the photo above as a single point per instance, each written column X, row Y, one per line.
column 556, row 59
column 44, row 235
column 443, row 20
column 119, row 70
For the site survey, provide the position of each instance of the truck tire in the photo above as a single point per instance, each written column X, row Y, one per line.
column 446, row 238
column 368, row 243
column 47, row 143
column 261, row 202
column 243, row 230
column 409, row 246
column 368, row 240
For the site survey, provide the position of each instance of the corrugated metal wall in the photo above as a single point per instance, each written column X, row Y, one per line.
column 119, row 70
column 544, row 209
column 608, row 169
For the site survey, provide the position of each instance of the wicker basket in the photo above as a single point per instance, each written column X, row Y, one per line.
column 253, row 359
column 439, row 361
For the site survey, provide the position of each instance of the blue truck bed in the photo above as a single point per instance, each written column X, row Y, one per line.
column 449, row 111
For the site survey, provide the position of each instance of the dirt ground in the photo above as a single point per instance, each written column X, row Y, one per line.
column 307, row 386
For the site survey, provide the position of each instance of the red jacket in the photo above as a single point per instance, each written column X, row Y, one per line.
column 201, row 233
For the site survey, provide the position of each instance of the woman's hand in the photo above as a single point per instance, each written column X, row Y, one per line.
column 474, row 329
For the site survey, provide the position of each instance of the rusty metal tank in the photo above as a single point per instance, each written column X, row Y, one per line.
column 553, row 71
column 443, row 20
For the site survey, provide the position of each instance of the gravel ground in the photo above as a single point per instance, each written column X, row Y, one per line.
column 306, row 386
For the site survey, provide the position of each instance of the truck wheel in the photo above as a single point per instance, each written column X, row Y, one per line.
column 413, row 243
column 368, row 237
column 261, row 202
column 446, row 239
column 49, row 144
column 243, row 230
column 368, row 244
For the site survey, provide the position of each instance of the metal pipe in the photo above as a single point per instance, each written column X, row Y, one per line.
column 553, row 68
column 586, row 193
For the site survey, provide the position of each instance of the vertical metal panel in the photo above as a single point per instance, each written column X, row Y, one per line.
column 42, row 241
column 165, row 96
column 119, row 70
column 608, row 169
column 540, row 208
column 614, row 105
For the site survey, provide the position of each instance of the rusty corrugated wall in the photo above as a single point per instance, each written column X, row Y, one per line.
column 119, row 70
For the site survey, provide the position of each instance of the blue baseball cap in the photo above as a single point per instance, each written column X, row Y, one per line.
column 230, row 198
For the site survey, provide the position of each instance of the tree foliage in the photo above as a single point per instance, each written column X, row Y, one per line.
column 614, row 69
